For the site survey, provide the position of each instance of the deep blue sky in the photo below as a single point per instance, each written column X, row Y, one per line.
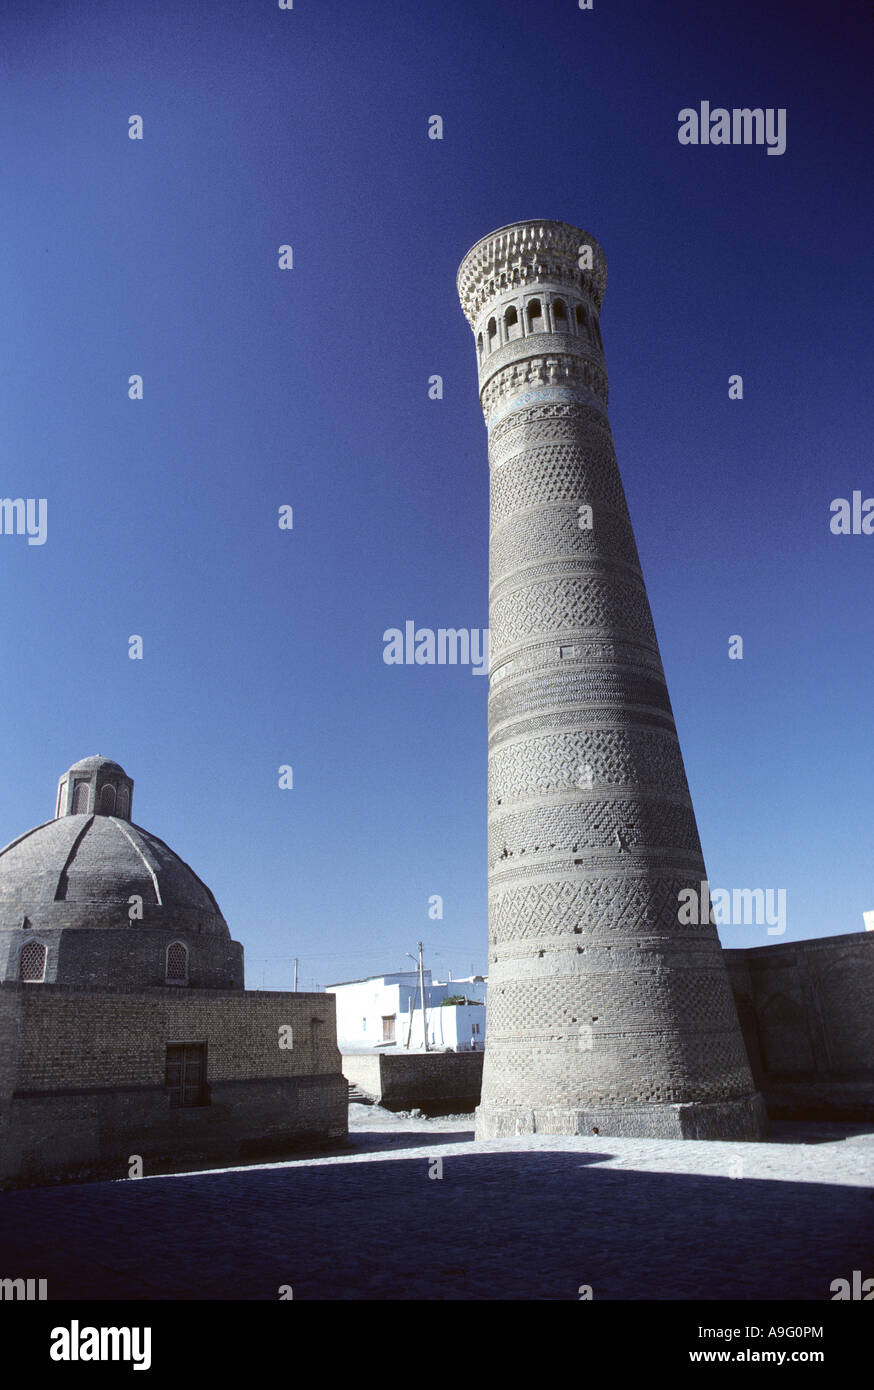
column 309, row 387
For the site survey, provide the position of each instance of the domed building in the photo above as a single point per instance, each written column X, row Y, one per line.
column 124, row 1022
column 91, row 898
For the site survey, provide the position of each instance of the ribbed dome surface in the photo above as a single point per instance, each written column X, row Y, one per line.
column 81, row 871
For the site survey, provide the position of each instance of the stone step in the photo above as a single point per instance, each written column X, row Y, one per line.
column 359, row 1097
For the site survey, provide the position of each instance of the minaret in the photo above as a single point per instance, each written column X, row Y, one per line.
column 605, row 1014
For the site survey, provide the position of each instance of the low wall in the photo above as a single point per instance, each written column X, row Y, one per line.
column 807, row 1013
column 433, row 1082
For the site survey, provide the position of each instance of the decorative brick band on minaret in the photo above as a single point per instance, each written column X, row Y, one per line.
column 603, row 1012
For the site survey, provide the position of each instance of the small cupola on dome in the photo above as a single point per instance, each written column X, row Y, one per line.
column 95, row 787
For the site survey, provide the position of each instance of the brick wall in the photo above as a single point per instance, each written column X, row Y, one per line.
column 807, row 1013
column 418, row 1080
column 74, row 1037
column 82, row 1077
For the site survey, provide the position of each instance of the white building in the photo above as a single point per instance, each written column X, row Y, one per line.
column 386, row 1011
column 460, row 1027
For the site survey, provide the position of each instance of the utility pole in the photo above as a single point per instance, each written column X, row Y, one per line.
column 413, row 1004
column 422, row 991
column 295, row 974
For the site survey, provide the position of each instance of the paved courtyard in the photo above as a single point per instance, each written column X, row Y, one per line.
column 531, row 1218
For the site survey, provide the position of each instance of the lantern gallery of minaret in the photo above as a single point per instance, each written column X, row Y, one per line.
column 605, row 1013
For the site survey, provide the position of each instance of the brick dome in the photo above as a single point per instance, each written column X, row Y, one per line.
column 90, row 898
column 82, row 870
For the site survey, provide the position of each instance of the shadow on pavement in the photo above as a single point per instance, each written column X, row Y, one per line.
column 495, row 1225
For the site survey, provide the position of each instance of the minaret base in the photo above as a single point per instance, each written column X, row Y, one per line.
column 742, row 1119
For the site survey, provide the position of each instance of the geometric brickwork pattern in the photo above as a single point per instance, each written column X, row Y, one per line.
column 571, row 825
column 556, row 530
column 592, row 835
column 558, row 762
column 614, row 904
column 677, row 1069
column 702, row 998
column 563, row 604
column 555, row 473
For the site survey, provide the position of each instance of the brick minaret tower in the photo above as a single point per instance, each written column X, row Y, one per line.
column 603, row 1011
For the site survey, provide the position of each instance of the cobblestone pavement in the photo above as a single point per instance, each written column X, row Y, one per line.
column 530, row 1218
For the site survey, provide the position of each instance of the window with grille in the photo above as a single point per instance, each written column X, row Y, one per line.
column 107, row 800
column 32, row 963
column 123, row 802
column 185, row 1074
column 80, row 798
column 177, row 963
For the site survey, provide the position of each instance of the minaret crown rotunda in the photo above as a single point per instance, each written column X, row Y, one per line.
column 532, row 294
